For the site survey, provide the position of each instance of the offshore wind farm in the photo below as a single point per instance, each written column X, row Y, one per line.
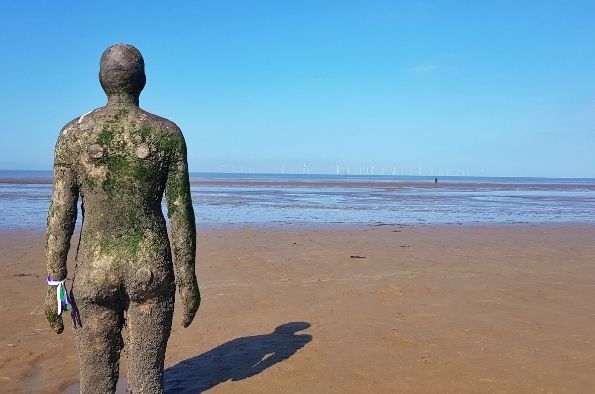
column 365, row 169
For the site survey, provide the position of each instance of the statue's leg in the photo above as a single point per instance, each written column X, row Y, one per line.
column 148, row 325
column 99, row 342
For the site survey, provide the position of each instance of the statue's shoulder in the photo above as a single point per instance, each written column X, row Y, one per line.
column 68, row 133
column 159, row 123
column 80, row 122
column 166, row 132
column 68, row 138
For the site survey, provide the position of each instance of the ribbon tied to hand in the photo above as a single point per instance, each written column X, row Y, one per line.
column 64, row 301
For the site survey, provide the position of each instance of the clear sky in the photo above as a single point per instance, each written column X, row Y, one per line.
column 507, row 86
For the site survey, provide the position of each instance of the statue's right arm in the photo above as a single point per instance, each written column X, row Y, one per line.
column 60, row 223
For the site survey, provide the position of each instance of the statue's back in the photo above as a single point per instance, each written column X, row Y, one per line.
column 122, row 156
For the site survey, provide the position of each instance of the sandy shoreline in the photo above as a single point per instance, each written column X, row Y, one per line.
column 450, row 309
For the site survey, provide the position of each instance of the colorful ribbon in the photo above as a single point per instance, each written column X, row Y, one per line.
column 64, row 301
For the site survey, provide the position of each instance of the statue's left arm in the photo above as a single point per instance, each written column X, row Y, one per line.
column 60, row 224
column 183, row 227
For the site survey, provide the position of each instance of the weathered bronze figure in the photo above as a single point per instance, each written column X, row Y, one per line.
column 120, row 160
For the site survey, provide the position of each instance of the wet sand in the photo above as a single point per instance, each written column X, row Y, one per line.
column 398, row 184
column 389, row 184
column 366, row 309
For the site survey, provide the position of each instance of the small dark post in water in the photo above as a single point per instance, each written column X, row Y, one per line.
column 120, row 160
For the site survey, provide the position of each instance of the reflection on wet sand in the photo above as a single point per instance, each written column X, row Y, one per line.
column 262, row 199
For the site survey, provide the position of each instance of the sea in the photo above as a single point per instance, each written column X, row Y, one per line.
column 288, row 199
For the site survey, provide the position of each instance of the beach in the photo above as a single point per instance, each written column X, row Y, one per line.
column 378, row 308
column 387, row 197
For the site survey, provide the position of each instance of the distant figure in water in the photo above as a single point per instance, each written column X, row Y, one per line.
column 436, row 180
column 120, row 160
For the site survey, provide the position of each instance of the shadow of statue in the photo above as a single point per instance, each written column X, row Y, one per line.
column 235, row 360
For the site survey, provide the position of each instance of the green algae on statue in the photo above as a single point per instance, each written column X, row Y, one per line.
column 121, row 160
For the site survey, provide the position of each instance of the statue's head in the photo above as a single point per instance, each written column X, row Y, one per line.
column 291, row 328
column 122, row 70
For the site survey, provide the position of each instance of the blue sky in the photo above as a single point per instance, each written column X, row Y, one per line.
column 503, row 86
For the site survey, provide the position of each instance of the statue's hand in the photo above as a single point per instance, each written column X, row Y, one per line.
column 51, row 310
column 190, row 295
